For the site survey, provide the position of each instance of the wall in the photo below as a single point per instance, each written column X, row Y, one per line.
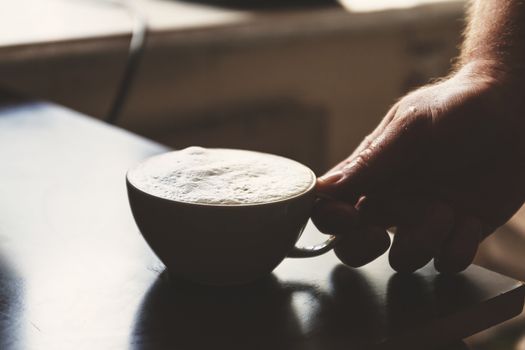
column 354, row 70
column 346, row 67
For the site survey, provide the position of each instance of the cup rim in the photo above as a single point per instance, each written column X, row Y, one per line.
column 309, row 189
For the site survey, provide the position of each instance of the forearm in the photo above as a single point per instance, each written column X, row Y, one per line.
column 495, row 36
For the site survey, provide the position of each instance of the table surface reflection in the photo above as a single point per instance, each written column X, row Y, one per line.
column 76, row 274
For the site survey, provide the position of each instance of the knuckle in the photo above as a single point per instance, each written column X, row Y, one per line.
column 360, row 162
column 368, row 139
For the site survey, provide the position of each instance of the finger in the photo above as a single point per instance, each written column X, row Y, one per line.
column 368, row 139
column 358, row 245
column 458, row 252
column 390, row 209
column 363, row 246
column 397, row 147
column 334, row 217
column 415, row 245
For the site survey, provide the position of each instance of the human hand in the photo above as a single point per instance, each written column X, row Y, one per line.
column 445, row 167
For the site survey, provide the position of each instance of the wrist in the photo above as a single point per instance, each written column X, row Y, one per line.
column 493, row 72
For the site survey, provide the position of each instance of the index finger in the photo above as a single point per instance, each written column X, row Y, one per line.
column 398, row 146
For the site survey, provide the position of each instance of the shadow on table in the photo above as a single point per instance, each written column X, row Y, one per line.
column 178, row 314
column 269, row 315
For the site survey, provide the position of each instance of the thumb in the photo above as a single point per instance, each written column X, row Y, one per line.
column 400, row 144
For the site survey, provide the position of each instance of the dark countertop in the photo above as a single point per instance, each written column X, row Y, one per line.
column 75, row 272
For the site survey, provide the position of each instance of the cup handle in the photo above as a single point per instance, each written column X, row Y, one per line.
column 314, row 250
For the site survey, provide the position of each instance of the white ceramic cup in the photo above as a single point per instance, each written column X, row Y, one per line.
column 220, row 244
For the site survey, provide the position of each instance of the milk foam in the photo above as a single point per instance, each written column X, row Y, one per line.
column 221, row 176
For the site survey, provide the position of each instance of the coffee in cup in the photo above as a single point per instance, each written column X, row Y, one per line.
column 222, row 216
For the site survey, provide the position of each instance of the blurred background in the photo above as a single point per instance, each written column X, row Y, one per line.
column 303, row 78
column 307, row 79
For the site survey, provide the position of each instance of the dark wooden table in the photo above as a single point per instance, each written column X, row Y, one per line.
column 76, row 274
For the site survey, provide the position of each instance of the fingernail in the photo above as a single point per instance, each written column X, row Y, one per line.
column 331, row 178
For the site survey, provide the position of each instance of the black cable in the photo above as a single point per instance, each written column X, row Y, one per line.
column 136, row 49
